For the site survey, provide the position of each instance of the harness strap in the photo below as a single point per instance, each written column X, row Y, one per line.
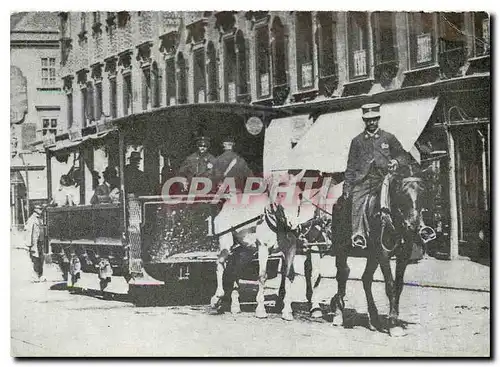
column 254, row 219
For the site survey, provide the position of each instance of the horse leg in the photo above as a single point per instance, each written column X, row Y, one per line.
column 308, row 275
column 385, row 266
column 235, row 299
column 263, row 252
column 401, row 263
column 337, row 302
column 287, row 313
column 367, row 278
column 315, row 281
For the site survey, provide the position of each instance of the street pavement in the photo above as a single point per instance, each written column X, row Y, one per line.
column 47, row 320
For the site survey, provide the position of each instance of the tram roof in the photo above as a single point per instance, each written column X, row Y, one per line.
column 200, row 108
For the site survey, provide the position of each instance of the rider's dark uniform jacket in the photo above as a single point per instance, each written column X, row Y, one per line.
column 372, row 153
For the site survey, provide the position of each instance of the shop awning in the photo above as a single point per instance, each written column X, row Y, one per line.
column 325, row 146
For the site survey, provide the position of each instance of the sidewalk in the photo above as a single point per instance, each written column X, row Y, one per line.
column 428, row 272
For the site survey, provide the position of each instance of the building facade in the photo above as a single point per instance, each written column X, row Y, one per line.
column 36, row 105
column 115, row 64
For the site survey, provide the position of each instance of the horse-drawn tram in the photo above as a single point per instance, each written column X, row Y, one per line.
column 115, row 172
column 156, row 211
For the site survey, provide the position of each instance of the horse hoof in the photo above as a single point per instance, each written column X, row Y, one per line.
column 338, row 320
column 260, row 313
column 397, row 332
column 215, row 302
column 235, row 310
column 316, row 314
column 288, row 316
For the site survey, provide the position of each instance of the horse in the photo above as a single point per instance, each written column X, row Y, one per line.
column 395, row 225
column 241, row 236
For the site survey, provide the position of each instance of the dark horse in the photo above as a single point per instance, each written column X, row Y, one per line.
column 395, row 225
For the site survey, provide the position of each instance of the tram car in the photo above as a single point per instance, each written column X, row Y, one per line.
column 135, row 233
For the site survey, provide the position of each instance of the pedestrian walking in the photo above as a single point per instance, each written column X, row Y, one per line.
column 34, row 243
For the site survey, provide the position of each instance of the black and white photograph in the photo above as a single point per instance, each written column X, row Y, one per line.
column 242, row 183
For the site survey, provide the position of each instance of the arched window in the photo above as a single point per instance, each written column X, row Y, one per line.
column 213, row 93
column 279, row 45
column 241, row 65
column 182, row 79
column 304, row 45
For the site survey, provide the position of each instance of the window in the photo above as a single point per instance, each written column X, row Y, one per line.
column 182, row 78
column 481, row 34
column 262, row 46
column 199, row 81
column 279, row 46
column 146, row 88
column 422, row 39
column 170, row 82
column 384, row 37
column 83, row 114
column 83, row 23
column 358, row 45
column 69, row 99
column 327, row 54
column 241, row 65
column 213, row 93
column 48, row 71
column 155, row 85
column 89, row 114
column 98, row 100
column 304, row 45
column 112, row 98
column 230, row 69
column 49, row 125
column 127, row 94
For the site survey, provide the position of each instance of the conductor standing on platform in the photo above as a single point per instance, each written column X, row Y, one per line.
column 372, row 154
column 230, row 164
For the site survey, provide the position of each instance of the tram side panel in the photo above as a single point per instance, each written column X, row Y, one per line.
column 90, row 233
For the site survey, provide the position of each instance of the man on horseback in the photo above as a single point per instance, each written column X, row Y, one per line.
column 372, row 154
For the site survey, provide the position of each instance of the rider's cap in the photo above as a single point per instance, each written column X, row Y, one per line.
column 203, row 141
column 371, row 110
column 135, row 156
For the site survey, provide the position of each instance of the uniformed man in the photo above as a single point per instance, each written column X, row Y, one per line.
column 200, row 163
column 372, row 154
column 230, row 164
column 134, row 178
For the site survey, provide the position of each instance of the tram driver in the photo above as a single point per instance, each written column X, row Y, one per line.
column 200, row 163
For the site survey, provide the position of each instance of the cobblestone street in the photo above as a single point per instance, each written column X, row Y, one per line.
column 45, row 322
